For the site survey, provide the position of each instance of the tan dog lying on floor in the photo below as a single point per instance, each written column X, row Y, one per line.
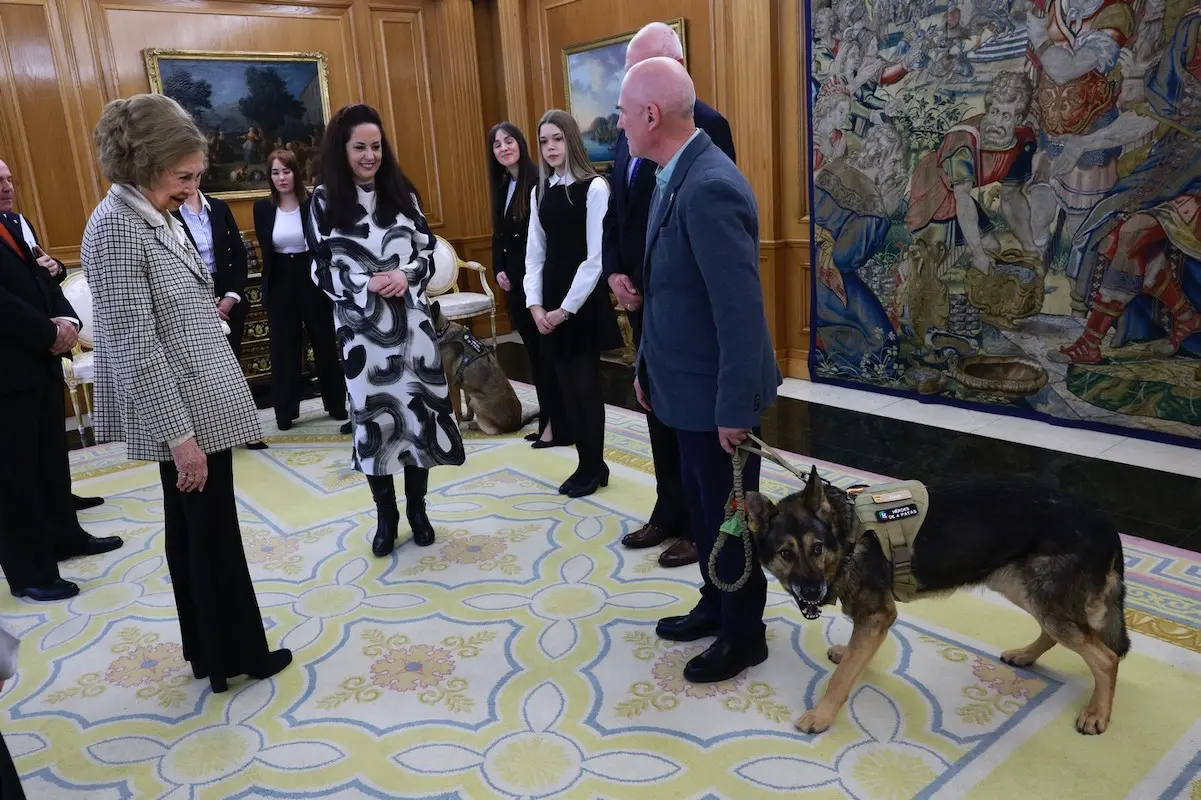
column 472, row 369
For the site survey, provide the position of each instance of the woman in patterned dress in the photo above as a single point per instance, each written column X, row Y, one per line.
column 373, row 255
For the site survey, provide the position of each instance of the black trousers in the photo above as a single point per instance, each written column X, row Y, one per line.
column 708, row 479
column 10, row 781
column 670, row 513
column 37, row 514
column 580, row 389
column 295, row 304
column 546, row 382
column 219, row 615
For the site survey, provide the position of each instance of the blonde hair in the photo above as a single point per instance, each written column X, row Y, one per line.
column 140, row 137
column 578, row 164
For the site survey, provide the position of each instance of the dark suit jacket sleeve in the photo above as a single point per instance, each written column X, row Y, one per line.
column 21, row 322
column 232, row 276
column 719, row 131
column 722, row 225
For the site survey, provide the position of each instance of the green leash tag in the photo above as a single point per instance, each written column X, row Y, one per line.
column 733, row 526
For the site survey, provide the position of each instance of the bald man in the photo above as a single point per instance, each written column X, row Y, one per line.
column 622, row 251
column 706, row 367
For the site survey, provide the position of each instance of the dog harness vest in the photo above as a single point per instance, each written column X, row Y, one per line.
column 895, row 513
column 473, row 349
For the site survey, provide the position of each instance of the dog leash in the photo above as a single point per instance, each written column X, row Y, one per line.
column 736, row 520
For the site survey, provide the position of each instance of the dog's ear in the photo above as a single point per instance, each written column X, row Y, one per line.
column 759, row 513
column 435, row 310
column 814, row 496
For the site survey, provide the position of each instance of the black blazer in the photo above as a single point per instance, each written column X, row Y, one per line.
column 29, row 298
column 508, row 245
column 624, row 240
column 264, row 231
column 228, row 251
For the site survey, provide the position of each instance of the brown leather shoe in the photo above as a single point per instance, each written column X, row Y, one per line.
column 646, row 536
column 680, row 554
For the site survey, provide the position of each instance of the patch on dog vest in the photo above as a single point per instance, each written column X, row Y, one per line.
column 894, row 512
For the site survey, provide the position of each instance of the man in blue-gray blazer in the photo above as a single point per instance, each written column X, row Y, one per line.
column 705, row 363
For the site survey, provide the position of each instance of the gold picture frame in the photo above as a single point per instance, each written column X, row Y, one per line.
column 247, row 104
column 596, row 108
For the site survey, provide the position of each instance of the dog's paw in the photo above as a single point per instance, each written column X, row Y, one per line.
column 836, row 652
column 815, row 720
column 1019, row 657
column 1092, row 721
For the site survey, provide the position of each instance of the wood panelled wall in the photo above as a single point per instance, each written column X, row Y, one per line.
column 440, row 71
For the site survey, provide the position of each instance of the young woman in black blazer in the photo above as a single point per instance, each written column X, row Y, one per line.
column 291, row 299
column 512, row 177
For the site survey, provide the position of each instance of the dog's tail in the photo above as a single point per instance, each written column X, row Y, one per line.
column 1113, row 625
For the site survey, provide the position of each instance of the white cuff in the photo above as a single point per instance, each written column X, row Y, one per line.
column 178, row 440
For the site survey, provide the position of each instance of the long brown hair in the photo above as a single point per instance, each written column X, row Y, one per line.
column 498, row 175
column 395, row 193
column 578, row 165
column 289, row 161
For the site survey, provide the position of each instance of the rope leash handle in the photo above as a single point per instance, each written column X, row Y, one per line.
column 736, row 507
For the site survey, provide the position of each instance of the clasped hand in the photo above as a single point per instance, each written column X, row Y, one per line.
column 547, row 321
column 389, row 284
column 67, row 335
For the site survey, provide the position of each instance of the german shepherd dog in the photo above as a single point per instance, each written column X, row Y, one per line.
column 1055, row 557
column 492, row 405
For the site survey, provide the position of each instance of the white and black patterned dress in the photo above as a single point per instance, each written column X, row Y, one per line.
column 399, row 399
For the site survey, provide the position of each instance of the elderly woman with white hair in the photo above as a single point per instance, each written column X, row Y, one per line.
column 167, row 383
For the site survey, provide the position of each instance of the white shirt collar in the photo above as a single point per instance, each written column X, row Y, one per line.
column 566, row 179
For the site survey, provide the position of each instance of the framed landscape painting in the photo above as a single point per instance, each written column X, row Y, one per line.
column 247, row 104
column 592, row 73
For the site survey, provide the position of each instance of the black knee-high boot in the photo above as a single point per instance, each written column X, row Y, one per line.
column 416, row 483
column 383, row 492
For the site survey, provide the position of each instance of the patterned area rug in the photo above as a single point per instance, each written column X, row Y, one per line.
column 517, row 658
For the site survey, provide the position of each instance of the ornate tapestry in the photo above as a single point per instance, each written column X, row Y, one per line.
column 1006, row 205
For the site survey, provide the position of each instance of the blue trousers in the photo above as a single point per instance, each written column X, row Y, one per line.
column 708, row 477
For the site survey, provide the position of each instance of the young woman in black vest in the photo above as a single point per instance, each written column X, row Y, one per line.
column 292, row 301
column 512, row 177
column 568, row 302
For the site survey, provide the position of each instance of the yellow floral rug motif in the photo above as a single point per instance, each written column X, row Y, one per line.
column 517, row 658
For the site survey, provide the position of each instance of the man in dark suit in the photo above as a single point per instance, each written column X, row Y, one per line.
column 21, row 228
column 210, row 225
column 624, row 245
column 38, row 523
column 706, row 365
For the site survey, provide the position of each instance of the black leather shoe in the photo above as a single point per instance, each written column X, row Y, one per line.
column 58, row 590
column 346, row 429
column 256, row 446
column 533, row 437
column 582, row 487
column 419, row 522
column 84, row 503
column 542, row 445
column 688, row 628
column 89, row 545
column 725, row 659
column 283, row 425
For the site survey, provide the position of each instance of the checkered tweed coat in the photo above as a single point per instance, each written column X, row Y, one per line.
column 164, row 368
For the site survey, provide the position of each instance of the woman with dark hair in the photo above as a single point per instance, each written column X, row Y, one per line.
column 512, row 177
column 562, row 270
column 373, row 255
column 293, row 304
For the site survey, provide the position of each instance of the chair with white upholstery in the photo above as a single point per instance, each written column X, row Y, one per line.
column 444, row 287
column 78, row 370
